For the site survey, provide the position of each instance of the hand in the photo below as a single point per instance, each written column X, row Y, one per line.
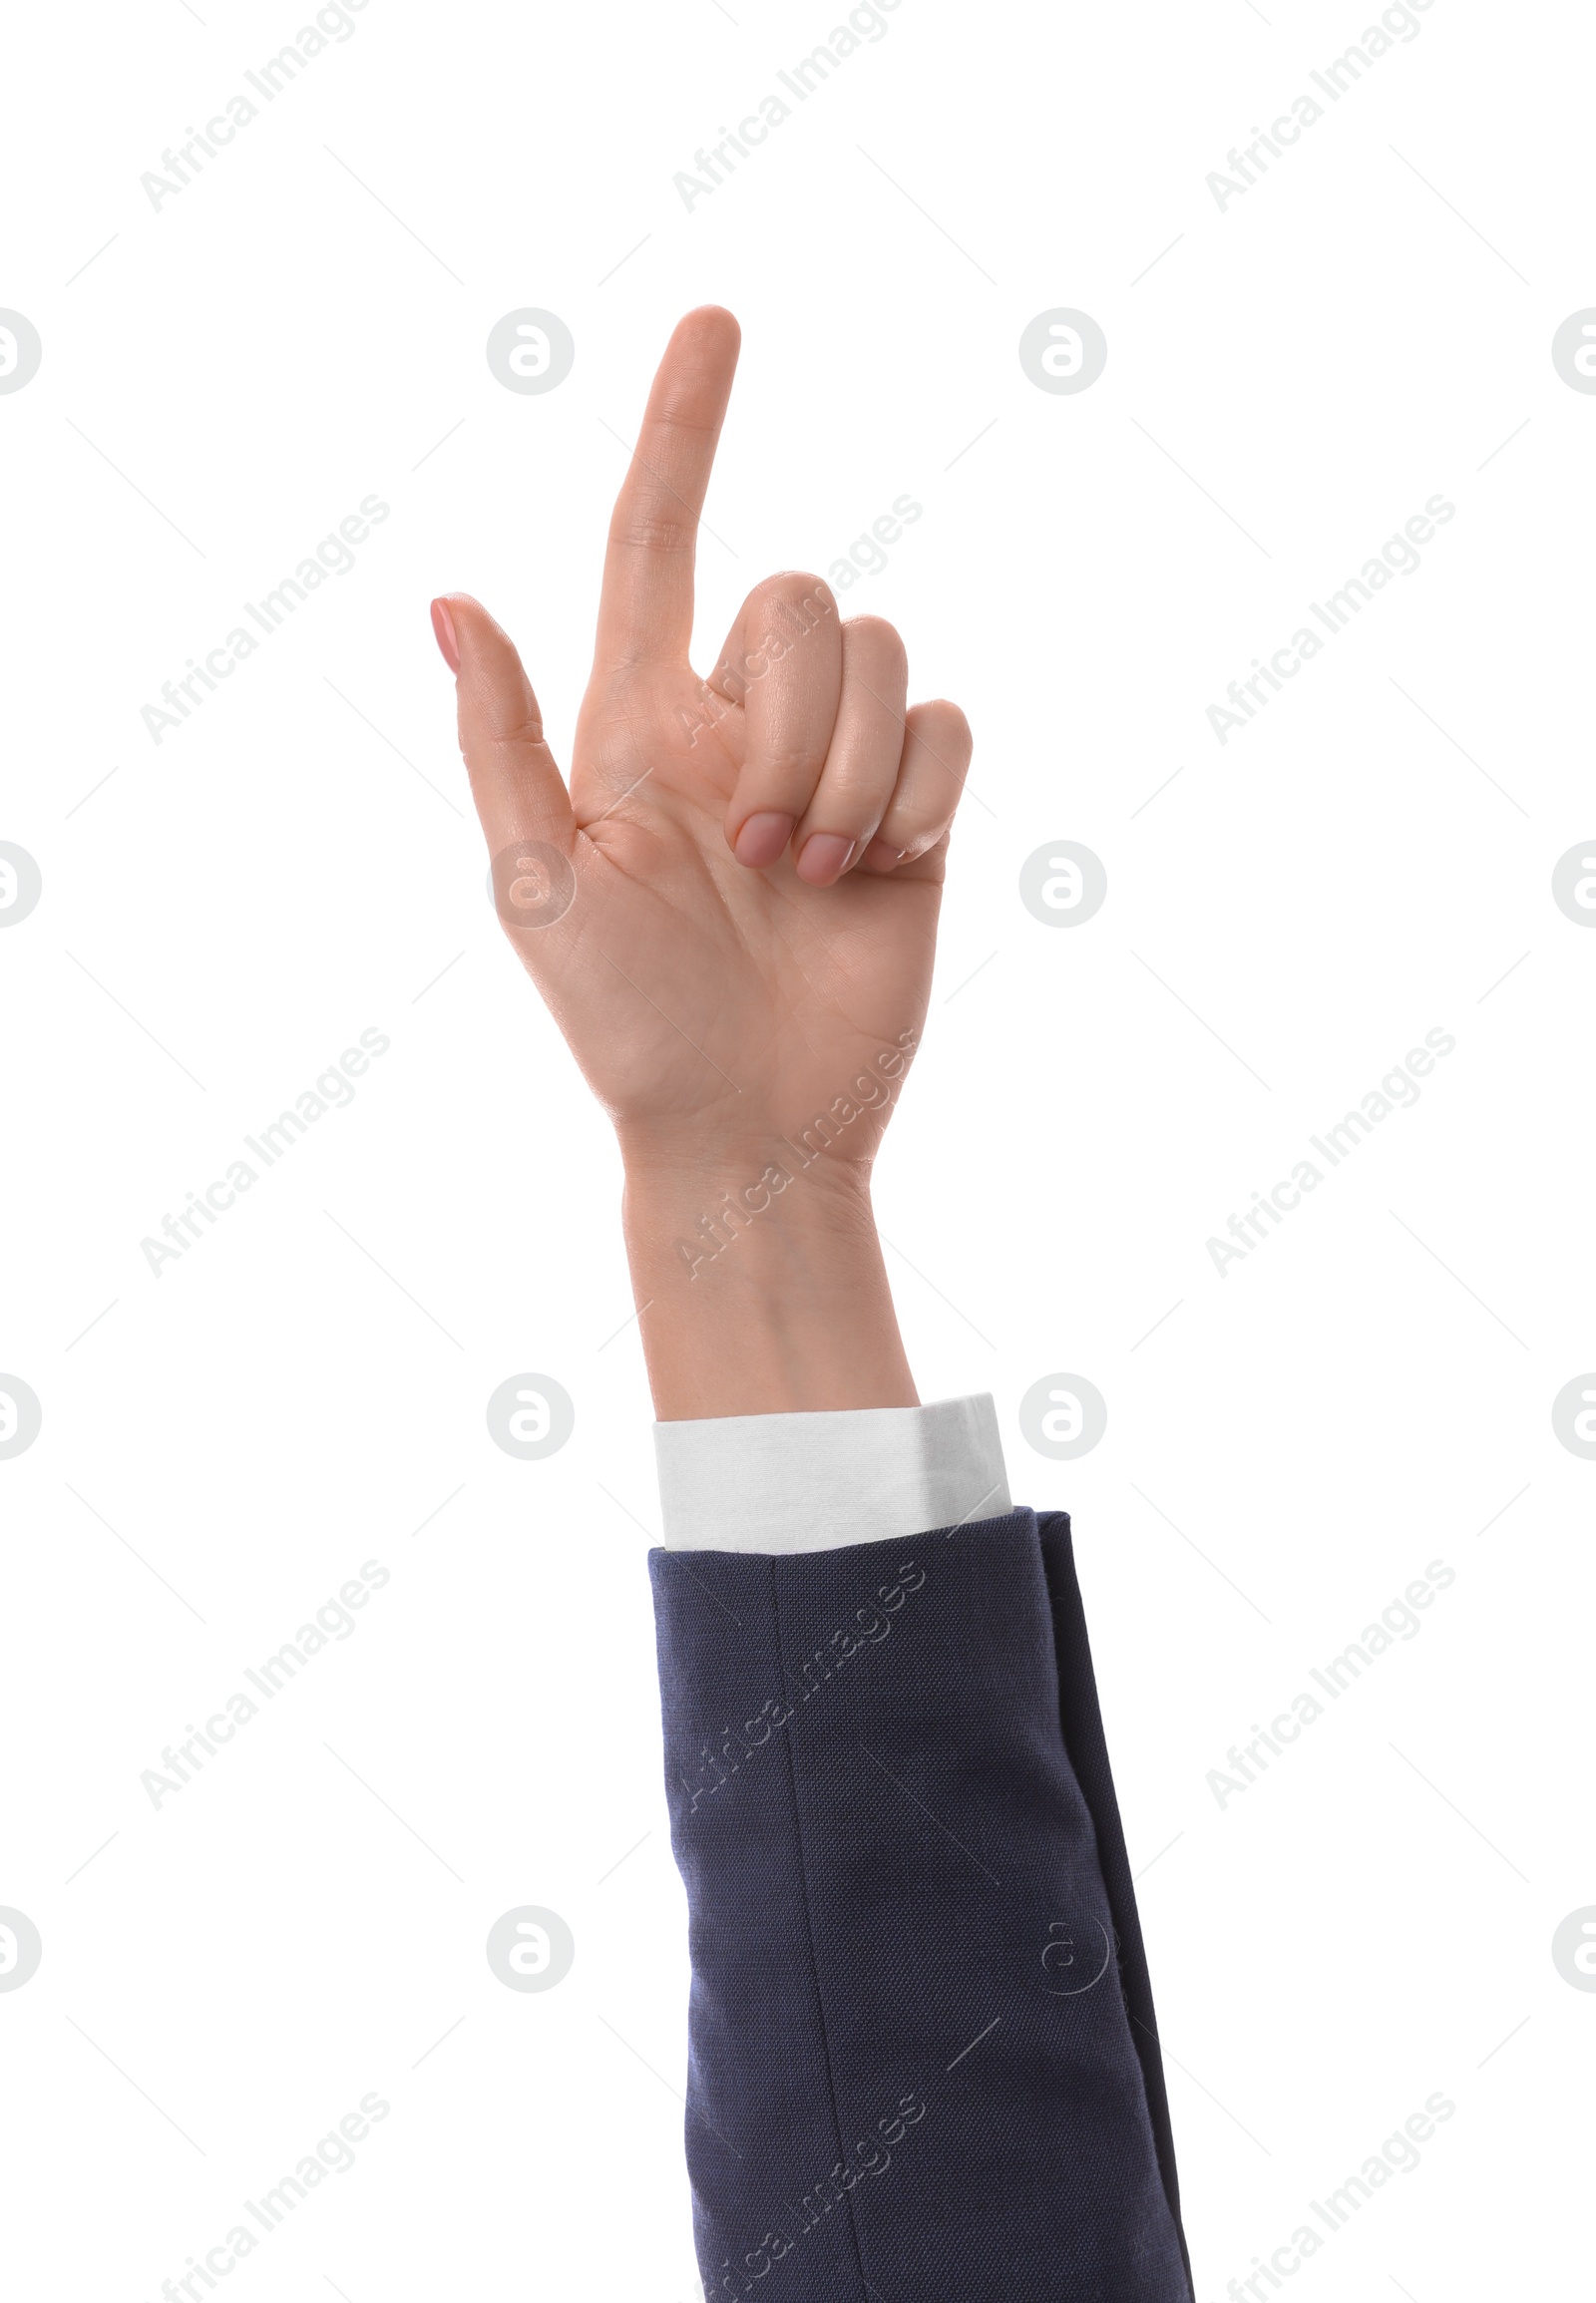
column 739, row 891
column 757, row 858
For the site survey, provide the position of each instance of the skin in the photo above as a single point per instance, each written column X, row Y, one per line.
column 758, row 861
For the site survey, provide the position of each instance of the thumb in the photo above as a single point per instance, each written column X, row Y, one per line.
column 520, row 795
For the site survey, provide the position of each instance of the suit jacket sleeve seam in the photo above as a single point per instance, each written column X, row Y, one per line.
column 809, row 1934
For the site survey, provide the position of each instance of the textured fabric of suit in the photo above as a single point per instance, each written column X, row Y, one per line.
column 923, row 2059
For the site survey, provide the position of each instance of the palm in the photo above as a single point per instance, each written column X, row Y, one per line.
column 715, row 982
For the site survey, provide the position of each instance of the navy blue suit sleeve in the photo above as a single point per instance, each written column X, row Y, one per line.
column 923, row 2058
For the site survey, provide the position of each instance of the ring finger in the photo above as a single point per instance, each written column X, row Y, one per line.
column 861, row 760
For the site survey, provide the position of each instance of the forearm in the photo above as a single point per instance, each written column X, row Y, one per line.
column 760, row 1282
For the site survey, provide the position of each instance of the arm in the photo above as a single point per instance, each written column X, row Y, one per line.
column 732, row 915
column 917, row 1976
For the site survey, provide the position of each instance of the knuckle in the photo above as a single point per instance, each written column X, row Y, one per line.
column 522, row 733
column 653, row 532
column 667, row 420
column 945, row 732
column 793, row 588
column 792, row 763
column 874, row 634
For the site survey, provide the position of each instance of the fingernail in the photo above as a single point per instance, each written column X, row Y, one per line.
column 878, row 857
column 443, row 625
column 762, row 840
column 825, row 858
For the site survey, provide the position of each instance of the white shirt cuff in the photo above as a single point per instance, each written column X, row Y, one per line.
column 813, row 1482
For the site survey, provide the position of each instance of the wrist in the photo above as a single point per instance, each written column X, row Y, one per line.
column 692, row 1171
column 759, row 1279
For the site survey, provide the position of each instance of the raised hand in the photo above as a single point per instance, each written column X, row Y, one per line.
column 731, row 914
column 756, row 856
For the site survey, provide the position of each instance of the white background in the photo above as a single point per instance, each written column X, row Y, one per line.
column 1369, row 859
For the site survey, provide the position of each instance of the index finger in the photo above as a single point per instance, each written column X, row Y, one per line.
column 645, row 608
